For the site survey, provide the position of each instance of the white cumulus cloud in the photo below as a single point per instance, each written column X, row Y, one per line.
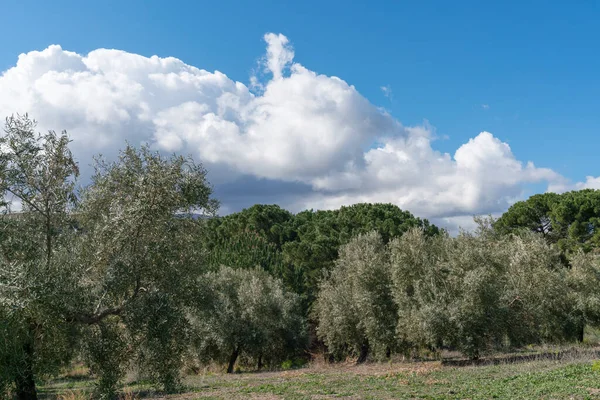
column 590, row 183
column 564, row 185
column 310, row 135
column 483, row 176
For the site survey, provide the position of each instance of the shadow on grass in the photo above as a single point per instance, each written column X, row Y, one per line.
column 557, row 355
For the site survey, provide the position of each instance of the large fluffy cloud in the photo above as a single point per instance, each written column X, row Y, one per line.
column 301, row 127
column 483, row 176
column 297, row 137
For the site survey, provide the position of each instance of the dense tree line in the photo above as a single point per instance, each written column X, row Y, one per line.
column 474, row 293
column 299, row 248
column 122, row 274
column 570, row 220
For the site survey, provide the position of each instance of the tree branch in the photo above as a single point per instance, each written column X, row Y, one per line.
column 91, row 319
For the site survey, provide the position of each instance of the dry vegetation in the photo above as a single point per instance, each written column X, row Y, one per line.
column 575, row 376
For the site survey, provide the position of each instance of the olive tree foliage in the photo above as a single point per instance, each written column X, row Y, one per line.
column 299, row 248
column 476, row 293
column 246, row 313
column 480, row 291
column 355, row 306
column 420, row 289
column 315, row 237
column 138, row 255
column 108, row 269
column 583, row 279
column 475, row 313
column 537, row 292
column 107, row 349
column 37, row 175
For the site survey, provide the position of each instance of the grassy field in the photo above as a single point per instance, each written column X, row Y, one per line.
column 566, row 379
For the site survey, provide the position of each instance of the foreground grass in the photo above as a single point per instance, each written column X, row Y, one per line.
column 574, row 379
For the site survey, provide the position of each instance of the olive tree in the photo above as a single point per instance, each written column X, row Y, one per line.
column 420, row 287
column 109, row 270
column 536, row 293
column 476, row 266
column 479, row 292
column 37, row 177
column 246, row 312
column 139, row 253
column 315, row 237
column 355, row 306
column 583, row 287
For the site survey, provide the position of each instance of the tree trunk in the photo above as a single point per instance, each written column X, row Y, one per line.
column 232, row 360
column 25, row 382
column 260, row 363
column 581, row 332
column 364, row 352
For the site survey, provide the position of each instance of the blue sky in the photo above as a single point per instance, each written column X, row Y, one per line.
column 527, row 71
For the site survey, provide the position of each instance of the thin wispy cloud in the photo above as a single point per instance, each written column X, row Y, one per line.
column 387, row 91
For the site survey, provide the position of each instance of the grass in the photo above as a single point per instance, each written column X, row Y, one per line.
column 576, row 378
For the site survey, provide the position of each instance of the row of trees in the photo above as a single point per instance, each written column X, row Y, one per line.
column 115, row 273
column 474, row 293
column 298, row 248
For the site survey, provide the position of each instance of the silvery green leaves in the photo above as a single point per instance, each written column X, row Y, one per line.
column 246, row 313
column 37, row 178
column 96, row 270
column 475, row 293
column 144, row 253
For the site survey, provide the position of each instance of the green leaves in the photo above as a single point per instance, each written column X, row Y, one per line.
column 354, row 307
column 248, row 313
column 37, row 177
column 475, row 293
column 108, row 354
column 143, row 253
column 571, row 220
column 114, row 268
column 298, row 249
